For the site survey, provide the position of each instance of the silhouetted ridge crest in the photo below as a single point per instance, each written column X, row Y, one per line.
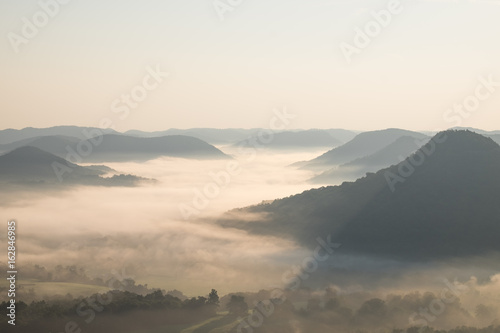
column 32, row 166
column 446, row 205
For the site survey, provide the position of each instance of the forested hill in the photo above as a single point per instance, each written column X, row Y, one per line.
column 442, row 201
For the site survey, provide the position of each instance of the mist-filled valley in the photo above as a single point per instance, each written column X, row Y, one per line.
column 251, row 242
column 144, row 230
column 230, row 166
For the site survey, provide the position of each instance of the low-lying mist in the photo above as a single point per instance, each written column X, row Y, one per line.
column 142, row 230
column 163, row 234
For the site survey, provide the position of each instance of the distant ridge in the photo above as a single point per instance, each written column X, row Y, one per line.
column 236, row 135
column 385, row 157
column 117, row 148
column 83, row 133
column 448, row 206
column 31, row 166
column 362, row 145
column 296, row 139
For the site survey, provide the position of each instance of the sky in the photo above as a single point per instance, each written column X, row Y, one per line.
column 230, row 63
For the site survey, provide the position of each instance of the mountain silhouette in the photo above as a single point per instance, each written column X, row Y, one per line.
column 210, row 135
column 362, row 145
column 443, row 201
column 31, row 166
column 120, row 148
column 81, row 133
column 235, row 135
column 297, row 139
column 54, row 144
column 387, row 156
column 495, row 137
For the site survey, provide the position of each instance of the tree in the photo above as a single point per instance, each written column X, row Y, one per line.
column 213, row 298
column 373, row 307
column 237, row 306
column 195, row 303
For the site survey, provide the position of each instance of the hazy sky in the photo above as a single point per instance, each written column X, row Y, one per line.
column 263, row 55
